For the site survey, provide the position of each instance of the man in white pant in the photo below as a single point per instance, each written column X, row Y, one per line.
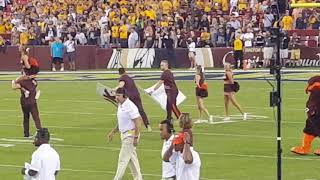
column 129, row 122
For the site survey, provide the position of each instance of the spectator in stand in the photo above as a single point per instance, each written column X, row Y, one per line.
column 220, row 38
column 70, row 45
column 295, row 49
column 80, row 38
column 229, row 36
column 248, row 38
column 205, row 37
column 115, row 34
column 148, row 35
column 133, row 40
column 192, row 53
column 301, row 22
column 287, row 21
column 123, row 30
column 267, row 49
column 105, row 37
column 3, row 46
column 57, row 51
column 284, row 52
column 268, row 20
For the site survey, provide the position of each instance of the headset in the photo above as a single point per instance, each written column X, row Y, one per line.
column 43, row 134
column 170, row 127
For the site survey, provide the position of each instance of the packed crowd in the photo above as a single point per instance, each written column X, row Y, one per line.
column 146, row 23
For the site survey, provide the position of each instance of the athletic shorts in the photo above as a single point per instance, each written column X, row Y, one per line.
column 71, row 56
column 295, row 54
column 267, row 53
column 284, row 53
column 56, row 60
column 192, row 54
column 32, row 71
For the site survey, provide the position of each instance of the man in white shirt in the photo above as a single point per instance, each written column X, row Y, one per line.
column 187, row 161
column 81, row 38
column 166, row 134
column 248, row 38
column 133, row 40
column 70, row 45
column 129, row 122
column 45, row 163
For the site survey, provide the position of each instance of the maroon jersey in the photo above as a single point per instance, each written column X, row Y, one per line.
column 130, row 86
column 31, row 86
column 169, row 83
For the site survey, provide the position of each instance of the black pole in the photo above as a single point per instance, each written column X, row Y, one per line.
column 278, row 65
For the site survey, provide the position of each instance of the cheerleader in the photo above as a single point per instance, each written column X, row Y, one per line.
column 201, row 93
column 230, row 87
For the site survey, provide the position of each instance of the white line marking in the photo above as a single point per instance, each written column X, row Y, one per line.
column 92, row 171
column 196, row 133
column 201, row 153
column 6, row 145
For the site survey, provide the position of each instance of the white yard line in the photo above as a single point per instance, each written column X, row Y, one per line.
column 201, row 153
column 157, row 132
column 94, row 171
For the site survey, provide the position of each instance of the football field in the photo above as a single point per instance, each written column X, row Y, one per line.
column 79, row 120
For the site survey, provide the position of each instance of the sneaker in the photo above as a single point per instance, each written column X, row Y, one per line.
column 54, row 69
column 149, row 128
column 245, row 115
column 210, row 119
column 26, row 94
column 62, row 69
column 38, row 94
column 227, row 118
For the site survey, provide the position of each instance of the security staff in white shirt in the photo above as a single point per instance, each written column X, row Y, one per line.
column 129, row 123
column 166, row 134
column 45, row 163
column 188, row 161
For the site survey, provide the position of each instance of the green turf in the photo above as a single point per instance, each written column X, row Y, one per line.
column 243, row 150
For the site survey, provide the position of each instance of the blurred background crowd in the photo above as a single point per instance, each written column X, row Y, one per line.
column 147, row 23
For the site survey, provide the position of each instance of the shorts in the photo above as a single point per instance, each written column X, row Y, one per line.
column 32, row 71
column 71, row 56
column 284, row 53
column 295, row 54
column 56, row 60
column 228, row 89
column 267, row 53
column 192, row 54
column 201, row 92
column 238, row 55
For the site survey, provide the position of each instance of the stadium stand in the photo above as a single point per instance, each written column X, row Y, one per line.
column 210, row 23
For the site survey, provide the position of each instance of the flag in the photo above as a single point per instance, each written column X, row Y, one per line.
column 160, row 96
column 107, row 93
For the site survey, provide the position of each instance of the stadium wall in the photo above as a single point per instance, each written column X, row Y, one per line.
column 92, row 57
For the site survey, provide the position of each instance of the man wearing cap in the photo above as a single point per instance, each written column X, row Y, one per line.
column 45, row 163
column 187, row 161
column 166, row 134
column 171, row 89
column 129, row 122
column 126, row 82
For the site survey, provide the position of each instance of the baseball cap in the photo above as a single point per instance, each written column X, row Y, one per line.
column 179, row 139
